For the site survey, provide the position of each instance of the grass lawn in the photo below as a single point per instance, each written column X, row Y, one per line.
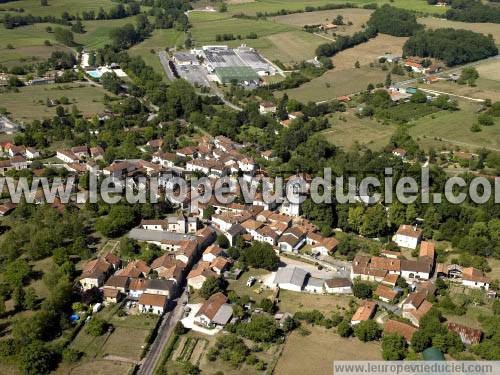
column 30, row 102
column 298, row 301
column 484, row 28
column 319, row 349
column 347, row 130
column 241, row 288
column 445, row 128
column 159, row 40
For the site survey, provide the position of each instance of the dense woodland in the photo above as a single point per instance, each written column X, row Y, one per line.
column 472, row 11
column 394, row 21
column 452, row 46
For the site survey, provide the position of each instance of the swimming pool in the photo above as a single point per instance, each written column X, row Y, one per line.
column 95, row 73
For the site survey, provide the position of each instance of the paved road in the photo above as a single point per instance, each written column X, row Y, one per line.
column 170, row 319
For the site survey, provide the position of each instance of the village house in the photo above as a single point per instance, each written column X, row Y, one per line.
column 338, row 286
column 416, row 306
column 219, row 265
column 111, row 295
column 468, row 335
column 399, row 152
column 408, row 236
column 416, row 269
column 32, row 153
column 119, row 283
column 266, row 234
column 402, row 329
column 160, row 286
column 364, row 312
column 267, row 107
column 292, row 240
column 67, row 156
column 136, row 287
column 152, row 303
column 325, row 246
column 95, row 272
column 215, row 312
column 154, row 224
column 81, row 152
column 474, row 278
column 212, row 252
column 169, row 268
column 119, row 169
column 314, row 285
column 166, row 159
column 385, row 293
column 97, row 153
column 199, row 274
column 136, row 268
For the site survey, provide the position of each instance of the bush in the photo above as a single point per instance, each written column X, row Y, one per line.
column 344, row 329
column 367, row 330
column 96, row 327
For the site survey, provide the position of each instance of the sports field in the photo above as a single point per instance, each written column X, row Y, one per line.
column 30, row 102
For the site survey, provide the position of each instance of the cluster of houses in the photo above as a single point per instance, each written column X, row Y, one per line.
column 268, row 107
column 151, row 286
column 17, row 156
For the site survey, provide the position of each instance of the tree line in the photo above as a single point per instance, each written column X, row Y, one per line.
column 472, row 11
column 394, row 21
column 344, row 42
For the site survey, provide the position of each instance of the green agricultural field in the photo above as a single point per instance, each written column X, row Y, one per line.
column 453, row 128
column 28, row 42
column 159, row 40
column 206, row 26
column 319, row 349
column 358, row 17
column 484, row 28
column 252, row 7
column 348, row 130
column 30, row 102
column 335, row 83
column 97, row 32
column 57, row 7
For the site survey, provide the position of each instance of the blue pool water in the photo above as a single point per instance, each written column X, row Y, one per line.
column 95, row 73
